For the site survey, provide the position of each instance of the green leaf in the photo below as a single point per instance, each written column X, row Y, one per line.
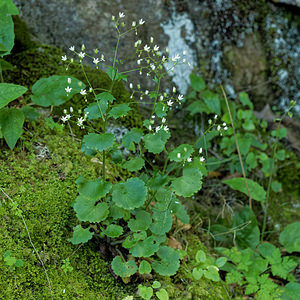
column 5, row 65
column 244, row 98
column 197, row 273
column 19, row 263
column 134, row 164
column 290, row 237
column 181, row 153
column 30, row 113
column 113, row 230
column 247, row 231
column 212, row 273
column 162, row 221
column 141, row 222
column 200, row 256
column 162, row 294
column 188, row 184
column 161, row 109
column 9, row 92
column 283, row 268
column 123, row 269
column 80, row 235
column 86, row 210
column 145, row 248
column 244, row 142
column 94, row 110
column 7, row 35
column 133, row 136
column 155, row 143
column 11, row 123
column 251, row 160
column 156, row 284
column 130, row 194
column 179, row 211
column 198, row 107
column 93, row 189
column 98, row 142
column 256, row 191
column 197, row 82
column 169, row 263
column 221, row 261
column 119, row 110
column 145, row 292
column 291, row 291
column 106, row 97
column 212, row 101
column 8, row 8
column 144, row 268
column 51, row 91
column 234, row 277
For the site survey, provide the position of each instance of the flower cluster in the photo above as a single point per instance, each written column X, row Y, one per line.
column 68, row 116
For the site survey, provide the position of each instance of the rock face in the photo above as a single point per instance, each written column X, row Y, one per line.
column 289, row 2
column 244, row 45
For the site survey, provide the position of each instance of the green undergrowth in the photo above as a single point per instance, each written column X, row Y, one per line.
column 43, row 190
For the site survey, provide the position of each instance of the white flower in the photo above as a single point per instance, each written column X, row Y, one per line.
column 146, row 92
column 157, row 128
column 161, row 98
column 131, row 85
column 64, row 58
column 170, row 102
column 102, row 57
column 166, row 128
column 202, row 159
column 83, row 92
column 69, row 80
column 141, row 21
column 138, row 61
column 174, row 89
column 121, row 15
column 200, row 150
column 80, row 121
column 68, row 89
column 96, row 61
column 133, row 24
column 156, row 48
column 151, row 39
column 178, row 155
column 72, row 48
column 163, row 58
column 146, row 48
column 150, row 127
column 189, row 159
column 225, row 128
column 184, row 52
column 163, row 120
column 209, row 121
column 64, row 119
column 180, row 97
column 216, row 116
column 152, row 67
column 224, row 124
column 153, row 117
column 65, row 111
column 81, row 54
column 176, row 57
column 82, row 47
column 71, row 109
column 219, row 128
column 113, row 18
column 164, row 108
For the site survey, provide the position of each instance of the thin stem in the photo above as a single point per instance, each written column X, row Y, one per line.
column 237, row 147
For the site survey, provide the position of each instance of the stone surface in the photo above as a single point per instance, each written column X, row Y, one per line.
column 244, row 45
column 289, row 2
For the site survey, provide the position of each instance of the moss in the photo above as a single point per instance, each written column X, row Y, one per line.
column 44, row 197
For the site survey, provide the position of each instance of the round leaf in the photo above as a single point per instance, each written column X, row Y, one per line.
column 181, row 153
column 145, row 248
column 123, row 269
column 145, row 268
column 86, row 210
column 134, row 164
column 98, row 142
column 197, row 273
column 80, row 235
column 141, row 222
column 119, row 110
column 155, row 143
column 162, row 294
column 113, row 230
column 145, row 292
column 130, row 194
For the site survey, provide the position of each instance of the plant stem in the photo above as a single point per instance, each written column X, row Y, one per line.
column 237, row 147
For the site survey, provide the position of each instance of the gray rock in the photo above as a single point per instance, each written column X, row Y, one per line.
column 289, row 2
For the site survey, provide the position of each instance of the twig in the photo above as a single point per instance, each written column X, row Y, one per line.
column 237, row 146
column 31, row 243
